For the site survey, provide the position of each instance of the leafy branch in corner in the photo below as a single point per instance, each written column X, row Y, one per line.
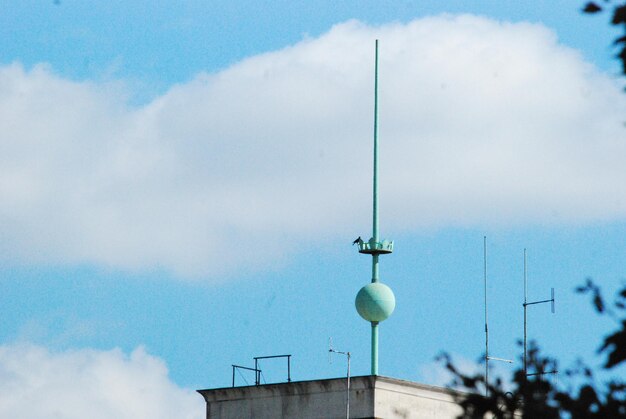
column 614, row 345
column 536, row 396
column 618, row 19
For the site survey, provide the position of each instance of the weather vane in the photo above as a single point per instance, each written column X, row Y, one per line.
column 375, row 302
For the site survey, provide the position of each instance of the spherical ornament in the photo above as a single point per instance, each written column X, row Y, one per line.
column 375, row 302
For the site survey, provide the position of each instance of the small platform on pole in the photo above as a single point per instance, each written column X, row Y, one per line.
column 372, row 247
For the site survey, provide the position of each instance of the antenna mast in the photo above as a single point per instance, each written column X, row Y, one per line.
column 348, row 355
column 375, row 302
column 526, row 304
column 487, row 357
column 486, row 319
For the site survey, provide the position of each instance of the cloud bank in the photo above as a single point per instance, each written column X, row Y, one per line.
column 482, row 123
column 35, row 383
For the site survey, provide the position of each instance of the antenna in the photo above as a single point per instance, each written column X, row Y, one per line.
column 375, row 302
column 487, row 357
column 486, row 318
column 258, row 372
column 239, row 367
column 348, row 355
column 526, row 304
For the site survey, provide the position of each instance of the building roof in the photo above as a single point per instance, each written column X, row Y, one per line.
column 370, row 397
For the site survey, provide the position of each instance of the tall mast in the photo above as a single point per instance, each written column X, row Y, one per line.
column 375, row 181
column 375, row 302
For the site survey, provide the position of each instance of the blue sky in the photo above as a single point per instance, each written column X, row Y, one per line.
column 181, row 184
column 155, row 45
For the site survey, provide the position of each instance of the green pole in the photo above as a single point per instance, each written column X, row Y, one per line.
column 375, row 276
column 374, row 348
column 375, row 301
column 374, row 267
column 375, row 204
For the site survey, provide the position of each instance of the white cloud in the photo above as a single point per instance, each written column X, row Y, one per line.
column 35, row 383
column 482, row 123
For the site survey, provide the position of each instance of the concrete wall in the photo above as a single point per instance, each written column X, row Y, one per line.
column 404, row 399
column 370, row 397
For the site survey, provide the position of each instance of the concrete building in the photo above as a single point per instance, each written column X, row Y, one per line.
column 371, row 397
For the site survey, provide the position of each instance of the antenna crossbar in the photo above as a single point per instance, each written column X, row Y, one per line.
column 493, row 358
column 542, row 373
column 551, row 300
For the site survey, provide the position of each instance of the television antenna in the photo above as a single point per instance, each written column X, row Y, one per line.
column 526, row 304
column 348, row 355
column 487, row 356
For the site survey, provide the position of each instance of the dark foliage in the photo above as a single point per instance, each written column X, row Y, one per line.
column 614, row 345
column 618, row 19
column 535, row 396
column 591, row 7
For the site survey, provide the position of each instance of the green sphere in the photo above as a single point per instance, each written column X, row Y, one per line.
column 375, row 302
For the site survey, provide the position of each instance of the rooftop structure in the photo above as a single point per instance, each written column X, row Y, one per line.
column 374, row 397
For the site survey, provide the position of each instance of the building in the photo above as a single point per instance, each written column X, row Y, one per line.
column 371, row 397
